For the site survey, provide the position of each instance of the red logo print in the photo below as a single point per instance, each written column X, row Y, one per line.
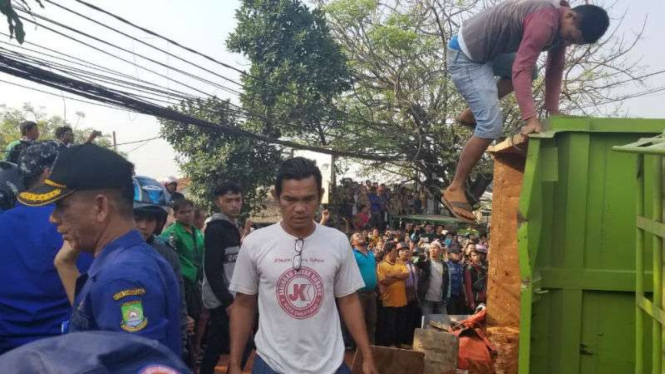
column 300, row 293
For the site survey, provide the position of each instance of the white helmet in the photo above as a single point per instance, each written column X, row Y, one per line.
column 168, row 180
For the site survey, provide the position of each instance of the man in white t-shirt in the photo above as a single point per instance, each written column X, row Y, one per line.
column 297, row 269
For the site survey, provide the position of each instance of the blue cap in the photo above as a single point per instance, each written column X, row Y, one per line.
column 94, row 352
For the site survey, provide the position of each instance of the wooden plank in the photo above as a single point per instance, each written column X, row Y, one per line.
column 440, row 349
column 392, row 361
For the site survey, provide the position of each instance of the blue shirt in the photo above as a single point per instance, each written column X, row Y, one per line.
column 375, row 202
column 33, row 302
column 367, row 266
column 129, row 287
column 455, row 278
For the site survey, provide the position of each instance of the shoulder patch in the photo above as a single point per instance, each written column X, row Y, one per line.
column 132, row 316
column 132, row 292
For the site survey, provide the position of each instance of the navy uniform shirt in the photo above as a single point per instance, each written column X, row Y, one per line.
column 33, row 303
column 129, row 287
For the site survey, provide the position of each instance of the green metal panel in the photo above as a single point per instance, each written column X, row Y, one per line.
column 576, row 238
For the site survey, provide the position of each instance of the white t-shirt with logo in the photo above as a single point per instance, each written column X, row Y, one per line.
column 299, row 327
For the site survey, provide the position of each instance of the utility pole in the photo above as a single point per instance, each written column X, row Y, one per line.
column 115, row 144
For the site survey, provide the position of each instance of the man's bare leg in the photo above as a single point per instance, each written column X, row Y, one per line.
column 503, row 85
column 473, row 151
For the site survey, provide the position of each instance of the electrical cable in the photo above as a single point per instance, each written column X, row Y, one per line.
column 77, row 31
column 116, row 57
column 159, row 36
column 142, row 42
column 76, row 61
column 84, row 89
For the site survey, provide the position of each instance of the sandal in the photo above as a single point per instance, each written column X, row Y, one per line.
column 451, row 205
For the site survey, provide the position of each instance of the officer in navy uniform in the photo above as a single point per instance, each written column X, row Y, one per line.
column 129, row 287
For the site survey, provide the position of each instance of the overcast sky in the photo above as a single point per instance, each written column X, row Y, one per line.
column 204, row 25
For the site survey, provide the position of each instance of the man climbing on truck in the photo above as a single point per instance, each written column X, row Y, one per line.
column 506, row 41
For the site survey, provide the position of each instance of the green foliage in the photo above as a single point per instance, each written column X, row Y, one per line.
column 11, row 118
column 297, row 69
column 209, row 158
column 402, row 103
column 15, row 24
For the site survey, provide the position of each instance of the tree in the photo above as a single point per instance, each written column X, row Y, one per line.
column 209, row 158
column 297, row 69
column 11, row 118
column 403, row 102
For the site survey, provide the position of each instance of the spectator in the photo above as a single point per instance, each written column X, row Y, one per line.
column 200, row 218
column 412, row 311
column 475, row 280
column 297, row 269
column 392, row 275
column 440, row 234
column 188, row 242
column 129, row 287
column 64, row 135
column 434, row 281
column 455, row 298
column 171, row 186
column 429, row 235
column 424, row 197
column 361, row 220
column 29, row 135
column 367, row 265
column 469, row 247
column 222, row 245
column 33, row 302
column 375, row 208
column 150, row 219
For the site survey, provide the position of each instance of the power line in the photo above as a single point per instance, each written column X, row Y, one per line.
column 160, row 36
column 89, row 65
column 114, row 56
column 163, row 99
column 66, row 97
column 142, row 42
column 51, row 79
column 139, row 141
column 216, row 85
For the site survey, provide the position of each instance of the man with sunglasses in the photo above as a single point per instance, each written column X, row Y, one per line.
column 296, row 271
column 367, row 265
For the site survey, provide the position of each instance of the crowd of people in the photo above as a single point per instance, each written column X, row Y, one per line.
column 372, row 204
column 84, row 250
column 417, row 271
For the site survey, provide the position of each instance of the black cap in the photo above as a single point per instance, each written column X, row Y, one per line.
column 80, row 168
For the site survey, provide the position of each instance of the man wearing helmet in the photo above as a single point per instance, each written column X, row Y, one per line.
column 171, row 186
column 150, row 213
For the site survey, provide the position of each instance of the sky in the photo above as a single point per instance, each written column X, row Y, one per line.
column 204, row 25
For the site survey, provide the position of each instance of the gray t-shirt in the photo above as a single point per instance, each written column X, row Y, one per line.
column 299, row 328
column 435, row 282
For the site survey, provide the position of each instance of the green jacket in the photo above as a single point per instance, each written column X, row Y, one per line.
column 190, row 247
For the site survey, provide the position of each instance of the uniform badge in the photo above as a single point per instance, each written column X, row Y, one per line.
column 132, row 316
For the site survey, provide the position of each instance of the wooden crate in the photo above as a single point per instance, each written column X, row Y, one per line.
column 392, row 361
column 440, row 349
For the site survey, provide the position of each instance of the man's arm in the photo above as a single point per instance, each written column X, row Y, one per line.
column 242, row 320
column 65, row 264
column 214, row 264
column 538, row 31
column 352, row 313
